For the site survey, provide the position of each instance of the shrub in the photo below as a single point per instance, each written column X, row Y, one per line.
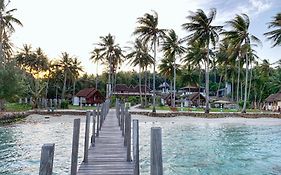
column 64, row 104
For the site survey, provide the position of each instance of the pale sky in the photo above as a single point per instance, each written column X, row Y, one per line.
column 74, row 26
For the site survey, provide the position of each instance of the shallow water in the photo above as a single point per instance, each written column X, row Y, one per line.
column 190, row 145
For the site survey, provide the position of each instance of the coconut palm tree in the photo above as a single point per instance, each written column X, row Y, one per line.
column 70, row 67
column 111, row 55
column 7, row 20
column 95, row 57
column 148, row 31
column 241, row 39
column 172, row 48
column 139, row 56
column 203, row 31
column 275, row 35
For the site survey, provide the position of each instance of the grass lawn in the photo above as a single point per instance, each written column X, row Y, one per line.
column 15, row 107
column 83, row 108
column 202, row 109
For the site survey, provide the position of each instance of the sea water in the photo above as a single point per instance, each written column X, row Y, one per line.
column 190, row 145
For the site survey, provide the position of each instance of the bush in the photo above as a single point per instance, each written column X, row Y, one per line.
column 64, row 104
column 241, row 103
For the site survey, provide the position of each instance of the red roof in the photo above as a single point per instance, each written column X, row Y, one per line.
column 87, row 92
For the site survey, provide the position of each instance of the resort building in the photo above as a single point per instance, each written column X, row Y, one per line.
column 124, row 90
column 164, row 87
column 273, row 102
column 89, row 96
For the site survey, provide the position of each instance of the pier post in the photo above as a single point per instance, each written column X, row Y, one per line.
column 87, row 131
column 122, row 118
column 136, row 147
column 128, row 136
column 47, row 158
column 93, row 139
column 98, row 120
column 156, row 164
column 75, row 146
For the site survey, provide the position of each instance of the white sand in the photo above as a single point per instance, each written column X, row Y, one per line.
column 182, row 120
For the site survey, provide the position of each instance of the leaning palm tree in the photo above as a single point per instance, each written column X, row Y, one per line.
column 148, row 31
column 240, row 39
column 6, row 27
column 111, row 55
column 275, row 35
column 206, row 33
column 139, row 56
column 172, row 48
column 95, row 57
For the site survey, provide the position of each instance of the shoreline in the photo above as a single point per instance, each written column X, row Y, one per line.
column 10, row 117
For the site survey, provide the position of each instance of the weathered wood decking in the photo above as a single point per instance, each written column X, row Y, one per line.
column 109, row 155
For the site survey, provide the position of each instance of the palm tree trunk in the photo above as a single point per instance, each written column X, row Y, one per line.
column 232, row 87
column 246, row 85
column 250, row 83
column 47, row 88
column 238, row 81
column 145, row 83
column 174, row 97
column 64, row 87
column 154, row 72
column 207, row 109
column 140, row 86
column 74, row 88
column 219, row 85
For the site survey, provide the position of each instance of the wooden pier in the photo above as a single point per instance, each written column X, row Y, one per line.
column 111, row 145
column 109, row 155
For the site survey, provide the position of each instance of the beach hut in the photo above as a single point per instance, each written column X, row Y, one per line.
column 273, row 102
column 90, row 96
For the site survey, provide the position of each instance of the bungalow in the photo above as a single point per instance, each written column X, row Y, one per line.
column 193, row 99
column 273, row 102
column 124, row 90
column 90, row 96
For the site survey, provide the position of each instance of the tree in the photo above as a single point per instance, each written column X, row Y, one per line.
column 240, row 38
column 70, row 67
column 202, row 30
column 275, row 35
column 139, row 56
column 148, row 31
column 111, row 55
column 7, row 20
column 172, row 48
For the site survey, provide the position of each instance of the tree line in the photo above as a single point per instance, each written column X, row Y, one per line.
column 209, row 55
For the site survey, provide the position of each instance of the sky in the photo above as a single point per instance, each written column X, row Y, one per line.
column 75, row 26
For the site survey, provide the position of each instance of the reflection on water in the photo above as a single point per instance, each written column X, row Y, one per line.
column 224, row 149
column 20, row 145
column 189, row 147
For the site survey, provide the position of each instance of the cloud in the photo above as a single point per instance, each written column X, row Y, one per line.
column 259, row 6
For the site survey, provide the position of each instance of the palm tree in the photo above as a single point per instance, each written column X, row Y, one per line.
column 202, row 30
column 148, row 31
column 6, row 27
column 70, row 67
column 240, row 39
column 275, row 35
column 95, row 57
column 111, row 55
column 172, row 48
column 139, row 56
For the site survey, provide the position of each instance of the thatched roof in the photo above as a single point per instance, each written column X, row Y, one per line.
column 86, row 92
column 273, row 98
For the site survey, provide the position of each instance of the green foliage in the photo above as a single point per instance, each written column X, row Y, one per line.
column 242, row 102
column 16, row 107
column 12, row 83
column 133, row 100
column 64, row 104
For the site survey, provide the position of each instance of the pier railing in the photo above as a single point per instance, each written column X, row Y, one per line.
column 47, row 151
column 130, row 131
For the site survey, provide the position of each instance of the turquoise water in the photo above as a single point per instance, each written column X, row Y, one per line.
column 189, row 147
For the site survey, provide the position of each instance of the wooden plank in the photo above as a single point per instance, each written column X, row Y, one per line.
column 75, row 146
column 108, row 156
column 156, row 164
column 47, row 158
